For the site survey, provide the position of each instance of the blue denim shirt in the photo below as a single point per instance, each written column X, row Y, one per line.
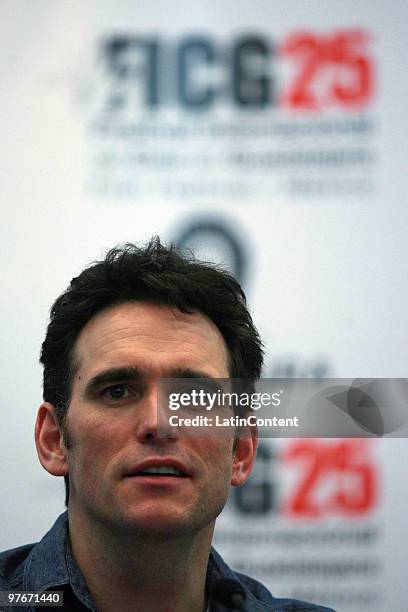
column 50, row 565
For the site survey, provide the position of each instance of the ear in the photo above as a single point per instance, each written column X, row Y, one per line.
column 49, row 441
column 244, row 456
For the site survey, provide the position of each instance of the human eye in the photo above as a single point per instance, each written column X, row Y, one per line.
column 116, row 392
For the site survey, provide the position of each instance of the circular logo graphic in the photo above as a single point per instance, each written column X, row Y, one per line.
column 214, row 241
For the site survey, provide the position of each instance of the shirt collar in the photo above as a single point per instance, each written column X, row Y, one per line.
column 51, row 564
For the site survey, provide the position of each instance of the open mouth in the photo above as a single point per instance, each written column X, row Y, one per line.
column 161, row 471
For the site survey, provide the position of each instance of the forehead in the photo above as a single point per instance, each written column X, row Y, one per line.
column 154, row 338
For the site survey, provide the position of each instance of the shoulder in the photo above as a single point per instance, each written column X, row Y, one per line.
column 12, row 563
column 262, row 594
column 259, row 598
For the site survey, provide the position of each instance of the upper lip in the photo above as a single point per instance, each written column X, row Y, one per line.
column 159, row 462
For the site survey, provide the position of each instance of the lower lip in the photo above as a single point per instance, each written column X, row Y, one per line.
column 161, row 480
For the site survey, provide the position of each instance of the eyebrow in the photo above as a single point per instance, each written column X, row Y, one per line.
column 112, row 375
column 131, row 373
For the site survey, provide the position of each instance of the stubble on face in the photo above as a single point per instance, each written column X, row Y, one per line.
column 99, row 440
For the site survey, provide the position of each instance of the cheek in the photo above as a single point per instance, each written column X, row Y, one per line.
column 218, row 456
column 94, row 443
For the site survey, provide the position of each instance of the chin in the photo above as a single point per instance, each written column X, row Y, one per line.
column 156, row 527
column 161, row 522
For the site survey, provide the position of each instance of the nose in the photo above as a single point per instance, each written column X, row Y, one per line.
column 152, row 424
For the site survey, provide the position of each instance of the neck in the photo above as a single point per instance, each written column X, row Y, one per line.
column 127, row 571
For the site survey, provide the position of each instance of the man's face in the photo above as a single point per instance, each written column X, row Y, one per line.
column 112, row 423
